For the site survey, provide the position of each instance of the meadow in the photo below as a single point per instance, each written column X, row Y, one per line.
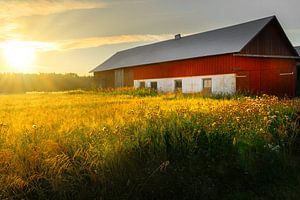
column 137, row 144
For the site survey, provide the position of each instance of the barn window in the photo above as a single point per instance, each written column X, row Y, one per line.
column 153, row 85
column 142, row 84
column 178, row 85
column 207, row 84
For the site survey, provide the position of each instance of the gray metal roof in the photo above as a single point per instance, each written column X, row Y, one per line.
column 216, row 42
column 298, row 49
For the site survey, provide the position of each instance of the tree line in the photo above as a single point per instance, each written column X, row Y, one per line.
column 44, row 82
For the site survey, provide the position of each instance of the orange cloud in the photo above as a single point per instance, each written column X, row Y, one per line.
column 12, row 10
column 109, row 40
column 66, row 45
column 17, row 8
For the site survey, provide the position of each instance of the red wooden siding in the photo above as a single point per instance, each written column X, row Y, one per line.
column 193, row 67
column 254, row 74
column 243, row 81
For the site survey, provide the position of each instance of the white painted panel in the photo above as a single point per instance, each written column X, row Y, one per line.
column 136, row 84
column 224, row 83
column 230, row 84
column 218, row 84
column 165, row 85
column 192, row 84
column 148, row 83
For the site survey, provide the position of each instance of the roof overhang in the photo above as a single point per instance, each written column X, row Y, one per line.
column 156, row 63
column 267, row 56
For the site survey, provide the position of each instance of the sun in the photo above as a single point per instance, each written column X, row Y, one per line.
column 19, row 55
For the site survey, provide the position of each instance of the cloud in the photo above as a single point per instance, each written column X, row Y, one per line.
column 36, row 45
column 7, row 30
column 22, row 8
column 12, row 10
column 101, row 41
column 84, row 43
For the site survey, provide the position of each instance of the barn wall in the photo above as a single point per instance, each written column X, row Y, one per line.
column 119, row 78
column 115, row 78
column 105, row 79
column 270, row 76
column 128, row 77
column 224, row 83
column 254, row 75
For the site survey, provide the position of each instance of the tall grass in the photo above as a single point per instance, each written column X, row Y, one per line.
column 139, row 145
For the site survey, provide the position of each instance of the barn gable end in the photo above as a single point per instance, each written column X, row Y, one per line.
column 271, row 40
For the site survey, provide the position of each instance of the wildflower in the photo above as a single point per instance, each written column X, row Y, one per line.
column 286, row 117
column 164, row 165
column 3, row 125
column 234, row 141
column 272, row 147
column 128, row 182
column 276, row 148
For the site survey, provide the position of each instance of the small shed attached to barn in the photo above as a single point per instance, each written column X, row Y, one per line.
column 255, row 57
column 298, row 72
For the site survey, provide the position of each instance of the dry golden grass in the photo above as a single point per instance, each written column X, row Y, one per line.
column 54, row 143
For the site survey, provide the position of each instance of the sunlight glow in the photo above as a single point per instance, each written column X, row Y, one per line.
column 19, row 55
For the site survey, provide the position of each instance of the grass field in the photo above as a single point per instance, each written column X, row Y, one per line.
column 139, row 145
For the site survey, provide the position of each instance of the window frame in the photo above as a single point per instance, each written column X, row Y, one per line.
column 175, row 85
column 151, row 85
column 142, row 84
column 209, row 89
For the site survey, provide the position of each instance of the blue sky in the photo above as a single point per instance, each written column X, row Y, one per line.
column 76, row 35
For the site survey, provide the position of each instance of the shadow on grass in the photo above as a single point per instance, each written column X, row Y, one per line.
column 175, row 159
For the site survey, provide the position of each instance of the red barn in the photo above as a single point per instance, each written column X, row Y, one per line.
column 255, row 57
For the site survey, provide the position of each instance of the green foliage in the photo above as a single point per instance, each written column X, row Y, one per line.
column 139, row 92
column 21, row 83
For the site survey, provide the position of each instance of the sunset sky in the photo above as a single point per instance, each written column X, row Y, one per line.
column 76, row 35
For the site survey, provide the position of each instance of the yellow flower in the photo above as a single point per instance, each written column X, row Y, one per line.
column 234, row 141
